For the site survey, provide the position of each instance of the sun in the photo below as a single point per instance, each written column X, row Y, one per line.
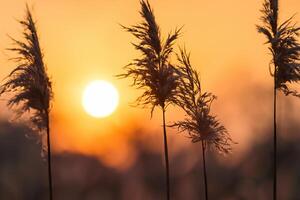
column 100, row 98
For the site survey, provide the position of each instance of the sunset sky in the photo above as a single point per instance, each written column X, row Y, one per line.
column 82, row 41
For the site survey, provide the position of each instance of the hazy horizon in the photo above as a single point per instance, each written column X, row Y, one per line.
column 82, row 41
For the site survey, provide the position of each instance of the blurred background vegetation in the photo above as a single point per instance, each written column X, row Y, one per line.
column 76, row 176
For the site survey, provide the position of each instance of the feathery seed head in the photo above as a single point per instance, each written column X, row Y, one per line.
column 29, row 82
column 284, row 47
column 153, row 71
column 199, row 123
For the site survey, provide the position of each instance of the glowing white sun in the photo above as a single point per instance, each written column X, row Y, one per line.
column 100, row 98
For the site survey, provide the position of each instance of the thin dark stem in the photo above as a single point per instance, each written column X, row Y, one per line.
column 49, row 160
column 204, row 170
column 275, row 145
column 166, row 157
column 275, row 28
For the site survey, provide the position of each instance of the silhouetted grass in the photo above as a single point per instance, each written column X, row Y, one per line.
column 30, row 85
column 199, row 123
column 153, row 72
column 285, row 51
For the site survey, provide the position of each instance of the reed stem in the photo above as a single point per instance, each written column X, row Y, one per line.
column 204, row 170
column 49, row 160
column 275, row 145
column 166, row 157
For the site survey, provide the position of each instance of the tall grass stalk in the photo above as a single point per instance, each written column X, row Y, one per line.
column 30, row 85
column 152, row 71
column 204, row 169
column 284, row 66
column 200, row 125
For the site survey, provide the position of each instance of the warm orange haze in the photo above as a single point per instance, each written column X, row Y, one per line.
column 83, row 41
column 92, row 112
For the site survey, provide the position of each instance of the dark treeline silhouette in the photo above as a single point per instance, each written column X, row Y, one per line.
column 80, row 177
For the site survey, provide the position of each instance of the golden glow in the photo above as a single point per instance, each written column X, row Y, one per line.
column 100, row 98
column 221, row 36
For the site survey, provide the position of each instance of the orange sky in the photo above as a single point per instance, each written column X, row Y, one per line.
column 82, row 41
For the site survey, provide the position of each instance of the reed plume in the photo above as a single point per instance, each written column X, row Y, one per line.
column 199, row 123
column 29, row 85
column 153, row 71
column 284, row 66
